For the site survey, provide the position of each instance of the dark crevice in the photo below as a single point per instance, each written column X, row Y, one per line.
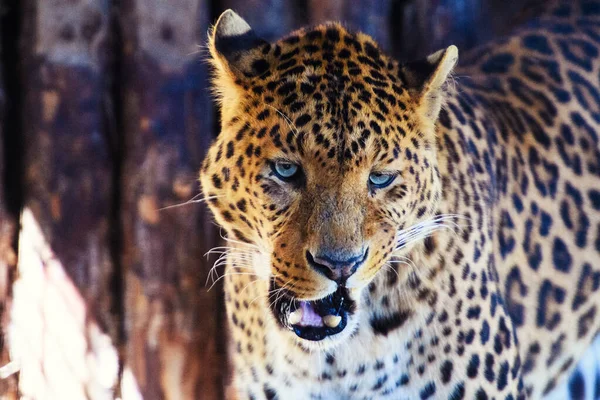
column 11, row 137
column 301, row 13
column 396, row 27
column 10, row 29
column 114, row 109
column 214, row 11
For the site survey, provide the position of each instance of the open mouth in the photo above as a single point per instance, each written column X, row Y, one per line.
column 313, row 319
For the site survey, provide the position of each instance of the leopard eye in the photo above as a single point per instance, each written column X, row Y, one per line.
column 378, row 180
column 285, row 170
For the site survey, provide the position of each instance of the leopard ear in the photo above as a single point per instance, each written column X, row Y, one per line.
column 235, row 48
column 427, row 78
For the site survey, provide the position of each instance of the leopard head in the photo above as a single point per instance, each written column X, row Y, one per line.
column 326, row 163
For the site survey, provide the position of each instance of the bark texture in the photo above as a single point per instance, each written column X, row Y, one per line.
column 174, row 333
column 62, row 312
column 8, row 381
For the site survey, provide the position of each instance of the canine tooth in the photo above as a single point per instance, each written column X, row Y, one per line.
column 295, row 317
column 332, row 320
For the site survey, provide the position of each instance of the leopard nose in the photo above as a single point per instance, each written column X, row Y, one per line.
column 337, row 265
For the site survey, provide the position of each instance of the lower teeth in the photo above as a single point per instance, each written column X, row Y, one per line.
column 295, row 317
column 332, row 321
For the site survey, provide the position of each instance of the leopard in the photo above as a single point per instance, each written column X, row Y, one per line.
column 407, row 229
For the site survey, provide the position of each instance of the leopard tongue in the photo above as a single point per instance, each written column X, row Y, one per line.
column 306, row 316
column 310, row 317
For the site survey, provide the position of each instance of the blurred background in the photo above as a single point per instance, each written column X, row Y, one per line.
column 105, row 116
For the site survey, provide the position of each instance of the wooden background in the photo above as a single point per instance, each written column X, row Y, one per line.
column 104, row 119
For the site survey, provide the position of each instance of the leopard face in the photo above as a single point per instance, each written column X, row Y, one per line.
column 325, row 168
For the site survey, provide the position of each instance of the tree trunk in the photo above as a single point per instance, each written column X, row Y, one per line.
column 8, row 381
column 64, row 294
column 368, row 16
column 174, row 336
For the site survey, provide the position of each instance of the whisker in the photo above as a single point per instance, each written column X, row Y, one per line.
column 225, row 238
column 390, row 268
column 229, row 274
column 193, row 200
column 286, row 118
column 426, row 228
column 248, row 285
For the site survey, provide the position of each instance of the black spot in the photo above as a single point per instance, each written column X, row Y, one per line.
column 240, row 236
column 446, row 371
column 549, row 386
column 594, row 196
column 261, row 133
column 458, row 393
column 588, row 282
column 585, row 322
column 403, row 380
column 333, row 35
column 514, row 289
column 538, row 43
column 473, row 367
column 470, row 336
column 286, row 88
column 230, row 150
column 241, row 205
column 371, row 51
column 384, row 325
column 380, row 382
column 217, row 181
column 481, row 395
column 577, row 386
column 270, row 394
column 375, row 127
column 260, row 66
column 502, row 376
column 427, row 391
column 430, row 245
column 361, row 370
column 561, row 256
column 485, row 332
column 307, row 88
column 473, row 312
column 489, row 368
column 344, row 53
column 227, row 216
column 546, row 314
column 302, row 120
column 289, row 54
column 263, row 115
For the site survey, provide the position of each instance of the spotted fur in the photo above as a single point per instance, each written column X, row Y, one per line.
column 483, row 270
